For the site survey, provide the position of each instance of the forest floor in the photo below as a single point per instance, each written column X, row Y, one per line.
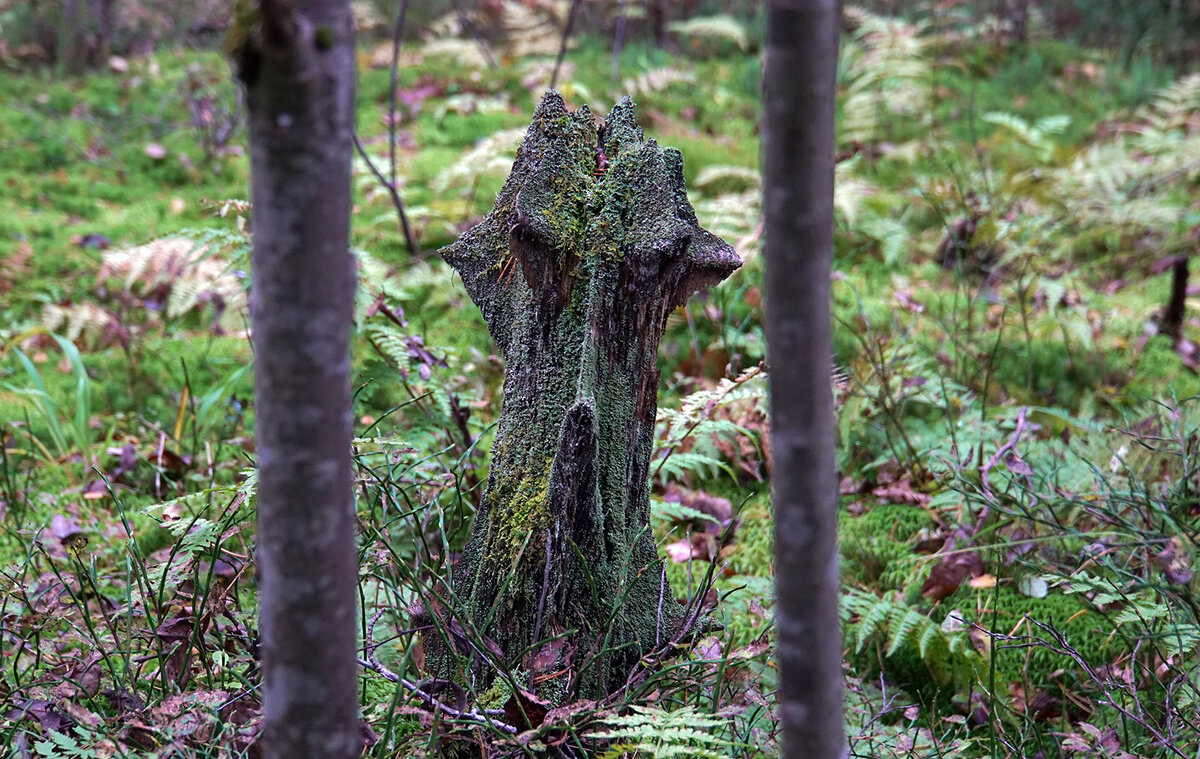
column 1018, row 427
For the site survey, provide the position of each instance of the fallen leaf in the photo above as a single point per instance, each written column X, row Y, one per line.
column 983, row 582
column 525, row 710
column 946, row 577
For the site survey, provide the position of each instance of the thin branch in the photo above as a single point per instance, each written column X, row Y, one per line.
column 1105, row 683
column 619, row 40
column 390, row 184
column 469, row 27
column 414, row 249
column 394, row 82
column 372, row 663
column 1011, row 445
column 562, row 45
column 432, row 702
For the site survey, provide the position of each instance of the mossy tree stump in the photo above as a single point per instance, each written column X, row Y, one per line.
column 591, row 245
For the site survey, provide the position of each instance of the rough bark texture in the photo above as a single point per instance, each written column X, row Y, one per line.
column 798, row 162
column 591, row 244
column 297, row 66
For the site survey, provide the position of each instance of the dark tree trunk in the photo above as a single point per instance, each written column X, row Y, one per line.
column 104, row 12
column 591, row 244
column 1173, row 314
column 798, row 160
column 297, row 66
column 70, row 48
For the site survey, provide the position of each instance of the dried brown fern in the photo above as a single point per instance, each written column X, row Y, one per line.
column 178, row 276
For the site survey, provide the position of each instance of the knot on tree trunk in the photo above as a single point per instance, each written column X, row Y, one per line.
column 591, row 244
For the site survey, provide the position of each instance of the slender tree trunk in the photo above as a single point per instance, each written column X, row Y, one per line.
column 103, row 11
column 798, row 158
column 1171, row 322
column 297, row 66
column 70, row 52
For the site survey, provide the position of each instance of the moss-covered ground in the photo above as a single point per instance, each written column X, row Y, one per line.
column 1016, row 443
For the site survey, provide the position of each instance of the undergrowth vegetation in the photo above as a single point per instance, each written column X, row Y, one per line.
column 1019, row 435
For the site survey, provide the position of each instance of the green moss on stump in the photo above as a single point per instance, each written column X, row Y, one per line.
column 589, row 247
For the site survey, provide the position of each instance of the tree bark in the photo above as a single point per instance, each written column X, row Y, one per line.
column 70, row 52
column 297, row 65
column 798, row 165
column 591, row 245
column 1171, row 322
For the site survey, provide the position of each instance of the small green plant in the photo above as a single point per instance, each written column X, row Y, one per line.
column 66, row 422
column 649, row 733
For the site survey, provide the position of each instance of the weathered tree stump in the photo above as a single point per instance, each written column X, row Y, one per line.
column 591, row 244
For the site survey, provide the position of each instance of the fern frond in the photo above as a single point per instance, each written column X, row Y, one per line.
column 871, row 622
column 902, row 623
column 656, row 80
column 886, row 75
column 1175, row 106
column 725, row 178
column 533, row 28
column 462, row 51
column 85, row 321
column 721, row 26
column 650, row 732
column 1034, row 135
column 491, row 156
column 191, row 274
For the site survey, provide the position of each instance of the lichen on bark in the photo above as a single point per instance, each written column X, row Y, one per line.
column 591, row 244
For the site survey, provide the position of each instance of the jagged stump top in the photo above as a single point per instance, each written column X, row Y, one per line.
column 593, row 196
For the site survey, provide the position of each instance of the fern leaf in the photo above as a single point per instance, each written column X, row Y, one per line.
column 491, row 156
column 718, row 27
column 902, row 623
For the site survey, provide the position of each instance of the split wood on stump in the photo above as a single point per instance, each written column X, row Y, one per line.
column 592, row 243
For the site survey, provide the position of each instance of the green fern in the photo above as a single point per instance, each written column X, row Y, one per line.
column 687, row 436
column 1175, row 106
column 944, row 647
column 649, row 733
column 735, row 216
column 886, row 76
column 724, row 178
column 1036, row 135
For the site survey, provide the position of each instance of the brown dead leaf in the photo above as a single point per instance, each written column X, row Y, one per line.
column 901, row 492
column 525, row 710
column 549, row 661
column 45, row 714
column 81, row 679
column 709, row 648
column 563, row 714
column 720, row 509
column 946, row 577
